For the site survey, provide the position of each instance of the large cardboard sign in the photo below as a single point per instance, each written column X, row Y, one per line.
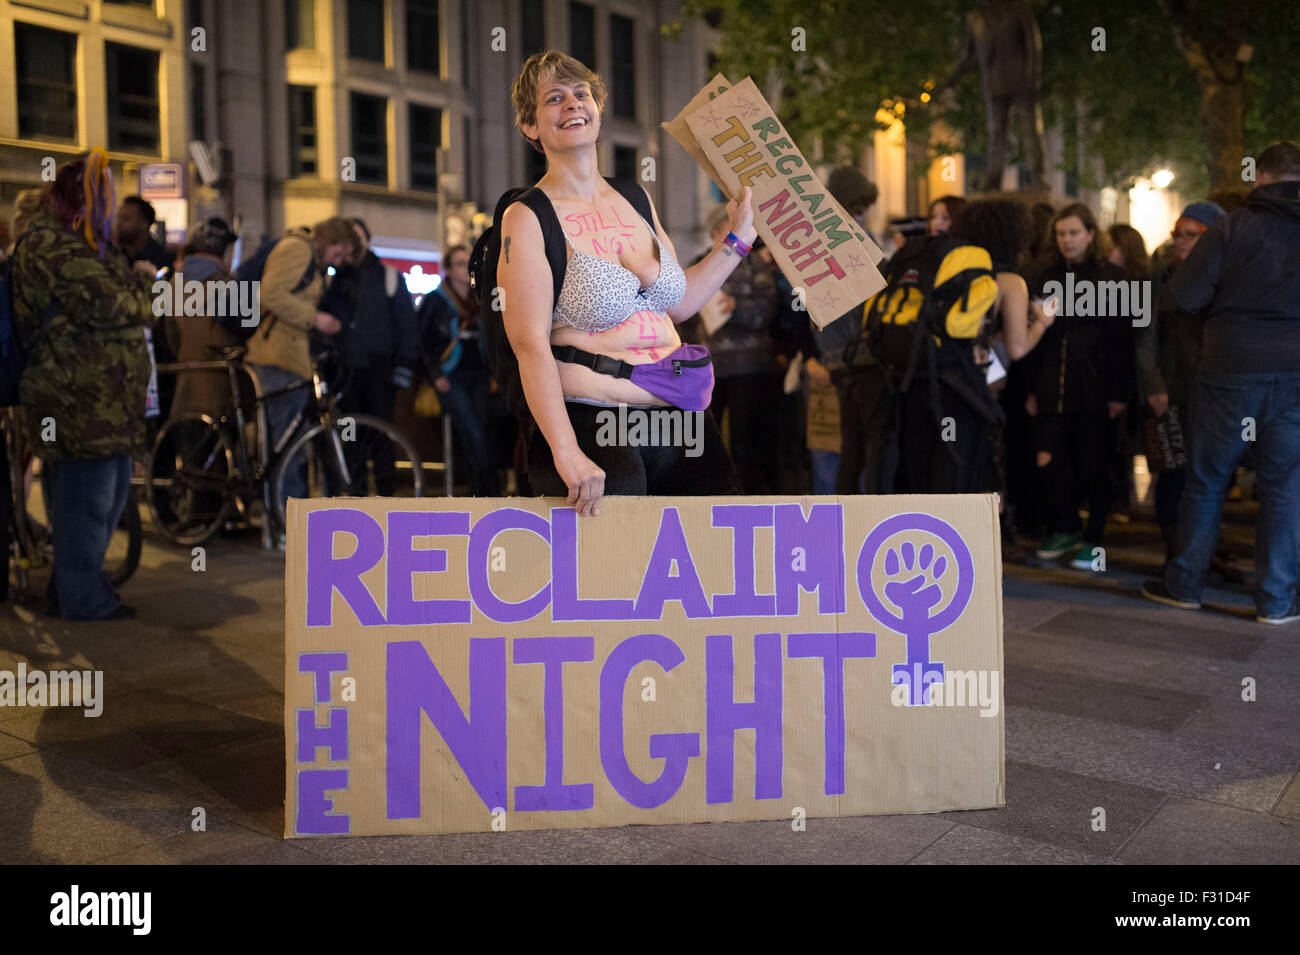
column 735, row 136
column 458, row 665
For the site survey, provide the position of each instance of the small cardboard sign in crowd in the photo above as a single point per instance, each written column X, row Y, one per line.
column 735, row 136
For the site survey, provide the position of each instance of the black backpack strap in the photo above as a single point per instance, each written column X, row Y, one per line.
column 601, row 364
column 922, row 332
column 631, row 190
column 552, row 237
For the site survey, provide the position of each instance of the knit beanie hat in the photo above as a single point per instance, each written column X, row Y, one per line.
column 1203, row 212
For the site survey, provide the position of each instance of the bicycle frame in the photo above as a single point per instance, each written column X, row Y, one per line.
column 255, row 480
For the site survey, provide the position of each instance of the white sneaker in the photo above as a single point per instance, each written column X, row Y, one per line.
column 1290, row 616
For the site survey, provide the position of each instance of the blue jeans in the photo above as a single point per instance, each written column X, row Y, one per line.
column 86, row 502
column 280, row 412
column 825, row 466
column 1216, row 441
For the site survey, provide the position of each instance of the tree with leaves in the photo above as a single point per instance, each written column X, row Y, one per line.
column 1193, row 84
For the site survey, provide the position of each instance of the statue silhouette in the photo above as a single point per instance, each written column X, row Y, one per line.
column 1002, row 38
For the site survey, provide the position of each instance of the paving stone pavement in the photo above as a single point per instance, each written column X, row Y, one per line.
column 1112, row 703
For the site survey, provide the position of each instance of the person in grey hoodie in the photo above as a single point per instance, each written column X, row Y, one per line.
column 1245, row 273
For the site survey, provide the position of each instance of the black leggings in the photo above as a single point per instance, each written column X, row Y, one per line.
column 637, row 470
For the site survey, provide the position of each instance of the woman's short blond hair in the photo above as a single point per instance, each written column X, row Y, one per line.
column 545, row 67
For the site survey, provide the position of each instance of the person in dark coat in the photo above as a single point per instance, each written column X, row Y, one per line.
column 378, row 341
column 1168, row 351
column 1083, row 380
column 1245, row 272
column 456, row 364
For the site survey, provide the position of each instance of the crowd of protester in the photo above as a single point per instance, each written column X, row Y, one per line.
column 1079, row 394
column 803, row 409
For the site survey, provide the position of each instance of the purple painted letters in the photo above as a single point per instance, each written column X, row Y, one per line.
column 675, row 749
column 553, row 653
column 834, row 649
column 404, row 561
column 723, row 716
column 415, row 686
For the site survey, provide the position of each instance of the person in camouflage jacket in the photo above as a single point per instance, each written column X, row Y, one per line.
column 90, row 369
column 80, row 312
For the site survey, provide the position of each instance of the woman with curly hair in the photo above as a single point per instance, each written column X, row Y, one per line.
column 1002, row 228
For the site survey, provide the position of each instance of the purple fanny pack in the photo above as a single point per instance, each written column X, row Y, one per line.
column 684, row 379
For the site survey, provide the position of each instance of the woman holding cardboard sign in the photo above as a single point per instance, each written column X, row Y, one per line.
column 609, row 338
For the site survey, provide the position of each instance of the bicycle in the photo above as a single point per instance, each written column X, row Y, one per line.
column 31, row 543
column 200, row 472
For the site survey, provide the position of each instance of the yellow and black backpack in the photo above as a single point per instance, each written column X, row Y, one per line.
column 924, row 322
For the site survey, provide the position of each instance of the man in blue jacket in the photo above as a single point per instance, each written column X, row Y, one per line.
column 1245, row 271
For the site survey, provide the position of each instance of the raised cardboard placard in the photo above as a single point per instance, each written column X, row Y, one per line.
column 735, row 136
column 461, row 665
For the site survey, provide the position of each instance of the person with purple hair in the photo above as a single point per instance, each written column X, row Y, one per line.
column 80, row 312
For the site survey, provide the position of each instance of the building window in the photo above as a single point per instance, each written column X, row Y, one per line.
column 424, row 130
column 625, row 162
column 533, row 13
column 198, row 102
column 47, row 87
column 366, row 30
column 132, row 98
column 370, row 138
column 302, row 131
column 299, row 24
column 622, row 68
column 582, row 33
column 422, row 36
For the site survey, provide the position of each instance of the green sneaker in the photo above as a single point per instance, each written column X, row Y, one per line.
column 1083, row 558
column 1058, row 544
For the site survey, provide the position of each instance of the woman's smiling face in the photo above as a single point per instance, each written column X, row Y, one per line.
column 567, row 116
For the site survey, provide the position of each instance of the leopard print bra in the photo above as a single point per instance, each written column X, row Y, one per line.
column 598, row 295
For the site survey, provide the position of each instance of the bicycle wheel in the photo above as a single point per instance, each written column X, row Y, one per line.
column 361, row 456
column 189, row 478
column 123, row 555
